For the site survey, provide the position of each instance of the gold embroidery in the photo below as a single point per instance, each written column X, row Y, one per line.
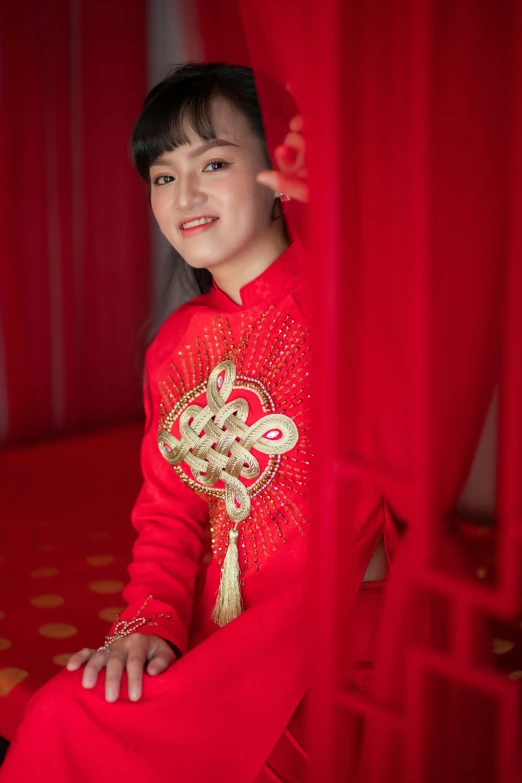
column 216, row 441
column 126, row 627
column 271, row 353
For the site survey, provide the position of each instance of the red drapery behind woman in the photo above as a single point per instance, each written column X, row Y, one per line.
column 74, row 252
column 412, row 116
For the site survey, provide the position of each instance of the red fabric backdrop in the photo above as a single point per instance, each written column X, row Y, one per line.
column 412, row 115
column 74, row 246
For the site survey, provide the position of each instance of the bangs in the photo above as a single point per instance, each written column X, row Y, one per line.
column 166, row 115
column 183, row 102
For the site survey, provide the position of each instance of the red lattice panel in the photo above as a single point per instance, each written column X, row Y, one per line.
column 414, row 121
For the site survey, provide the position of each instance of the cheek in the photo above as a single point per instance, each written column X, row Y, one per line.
column 246, row 200
column 162, row 213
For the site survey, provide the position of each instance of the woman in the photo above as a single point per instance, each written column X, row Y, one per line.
column 212, row 645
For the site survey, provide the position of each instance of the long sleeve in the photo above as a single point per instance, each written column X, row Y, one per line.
column 169, row 518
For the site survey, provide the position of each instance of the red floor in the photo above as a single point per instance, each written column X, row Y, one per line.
column 65, row 539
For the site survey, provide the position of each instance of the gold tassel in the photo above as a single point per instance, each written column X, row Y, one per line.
column 229, row 604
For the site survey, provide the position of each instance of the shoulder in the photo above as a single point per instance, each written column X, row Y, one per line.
column 173, row 329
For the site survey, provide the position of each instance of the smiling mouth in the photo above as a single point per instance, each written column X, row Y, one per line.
column 198, row 222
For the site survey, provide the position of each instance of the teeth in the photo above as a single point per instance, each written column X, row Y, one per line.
column 199, row 222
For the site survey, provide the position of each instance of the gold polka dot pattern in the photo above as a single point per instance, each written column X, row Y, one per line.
column 47, row 601
column 110, row 613
column 106, row 586
column 62, row 659
column 57, row 630
column 43, row 573
column 5, row 644
column 502, row 646
column 10, row 677
column 100, row 560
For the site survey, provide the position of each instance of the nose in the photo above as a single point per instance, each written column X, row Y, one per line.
column 189, row 193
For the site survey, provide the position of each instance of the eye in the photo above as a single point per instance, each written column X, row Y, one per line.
column 162, row 179
column 217, row 165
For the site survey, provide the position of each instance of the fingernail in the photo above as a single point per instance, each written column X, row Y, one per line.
column 133, row 694
column 111, row 695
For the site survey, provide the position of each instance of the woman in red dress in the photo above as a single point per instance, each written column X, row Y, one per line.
column 204, row 674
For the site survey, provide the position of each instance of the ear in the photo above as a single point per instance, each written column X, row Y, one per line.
column 277, row 209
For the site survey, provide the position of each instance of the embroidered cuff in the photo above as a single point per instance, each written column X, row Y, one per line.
column 153, row 617
column 126, row 627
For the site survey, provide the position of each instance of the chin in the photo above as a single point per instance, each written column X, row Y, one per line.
column 210, row 260
column 203, row 263
column 216, row 254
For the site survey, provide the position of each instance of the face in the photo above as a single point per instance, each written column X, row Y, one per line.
column 214, row 180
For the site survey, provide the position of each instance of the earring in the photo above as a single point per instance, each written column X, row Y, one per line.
column 284, row 197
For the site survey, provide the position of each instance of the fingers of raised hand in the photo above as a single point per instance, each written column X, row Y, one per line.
column 290, row 158
column 290, row 155
column 296, row 123
column 290, row 185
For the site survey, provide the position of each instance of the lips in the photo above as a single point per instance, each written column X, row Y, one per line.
column 193, row 222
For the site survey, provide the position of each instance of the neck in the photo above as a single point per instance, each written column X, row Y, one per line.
column 233, row 274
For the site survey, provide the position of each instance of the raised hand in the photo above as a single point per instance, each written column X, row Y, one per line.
column 134, row 653
column 290, row 157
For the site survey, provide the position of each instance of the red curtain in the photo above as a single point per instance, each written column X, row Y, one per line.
column 413, row 119
column 74, row 246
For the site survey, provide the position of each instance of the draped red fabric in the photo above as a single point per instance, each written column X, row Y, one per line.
column 74, row 247
column 412, row 115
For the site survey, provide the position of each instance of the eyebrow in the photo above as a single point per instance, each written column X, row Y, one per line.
column 208, row 145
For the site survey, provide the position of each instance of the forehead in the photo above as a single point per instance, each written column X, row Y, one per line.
column 228, row 122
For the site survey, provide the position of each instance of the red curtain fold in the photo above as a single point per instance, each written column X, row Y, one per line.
column 74, row 254
column 412, row 119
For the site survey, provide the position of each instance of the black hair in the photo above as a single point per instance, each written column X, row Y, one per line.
column 185, row 96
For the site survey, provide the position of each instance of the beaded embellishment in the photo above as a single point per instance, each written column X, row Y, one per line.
column 217, row 443
column 234, row 424
column 126, row 627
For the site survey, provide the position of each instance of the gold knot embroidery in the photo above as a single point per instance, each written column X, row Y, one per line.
column 216, row 442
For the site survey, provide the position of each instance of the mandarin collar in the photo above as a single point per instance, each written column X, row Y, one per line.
column 280, row 275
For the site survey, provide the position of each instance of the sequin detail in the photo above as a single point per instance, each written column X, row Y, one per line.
column 126, row 627
column 271, row 359
column 218, row 445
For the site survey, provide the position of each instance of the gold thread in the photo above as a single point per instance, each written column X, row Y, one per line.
column 216, row 442
column 266, row 356
column 126, row 627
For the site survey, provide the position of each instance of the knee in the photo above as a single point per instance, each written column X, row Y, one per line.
column 58, row 696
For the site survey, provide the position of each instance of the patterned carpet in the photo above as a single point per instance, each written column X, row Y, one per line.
column 66, row 541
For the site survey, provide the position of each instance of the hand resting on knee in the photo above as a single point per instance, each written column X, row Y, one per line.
column 136, row 653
